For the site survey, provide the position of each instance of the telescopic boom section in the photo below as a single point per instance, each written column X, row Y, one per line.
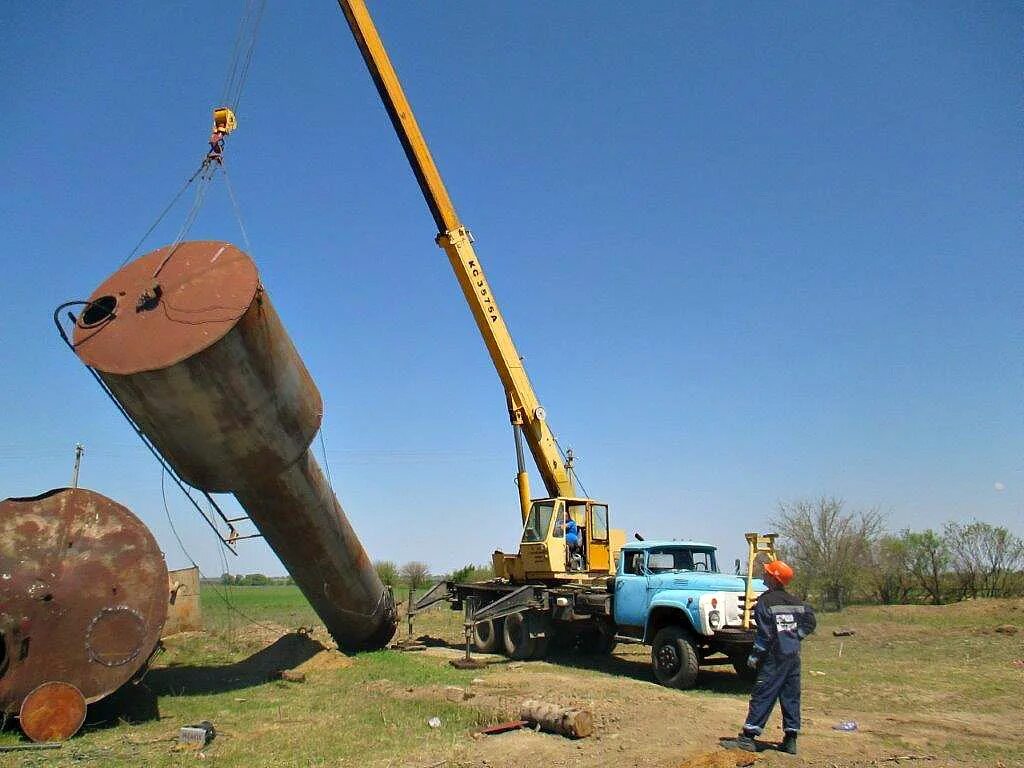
column 457, row 242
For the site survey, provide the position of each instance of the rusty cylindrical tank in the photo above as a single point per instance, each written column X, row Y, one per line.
column 83, row 597
column 190, row 345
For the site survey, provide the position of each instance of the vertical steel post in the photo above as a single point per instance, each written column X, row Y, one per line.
column 79, row 450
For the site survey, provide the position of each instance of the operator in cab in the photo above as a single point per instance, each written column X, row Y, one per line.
column 783, row 621
column 574, row 543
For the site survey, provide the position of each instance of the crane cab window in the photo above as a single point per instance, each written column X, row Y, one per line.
column 578, row 512
column 599, row 522
column 559, row 532
column 538, row 521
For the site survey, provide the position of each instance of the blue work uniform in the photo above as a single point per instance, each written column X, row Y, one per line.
column 783, row 622
column 572, row 534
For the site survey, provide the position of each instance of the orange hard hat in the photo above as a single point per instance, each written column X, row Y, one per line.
column 779, row 570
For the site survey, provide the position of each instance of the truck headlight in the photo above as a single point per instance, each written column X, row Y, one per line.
column 714, row 619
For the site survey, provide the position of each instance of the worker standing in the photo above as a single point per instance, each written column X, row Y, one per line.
column 783, row 621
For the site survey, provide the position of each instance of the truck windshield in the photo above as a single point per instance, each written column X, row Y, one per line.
column 537, row 523
column 667, row 559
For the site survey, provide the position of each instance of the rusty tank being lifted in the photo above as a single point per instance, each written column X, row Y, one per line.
column 83, row 597
column 187, row 341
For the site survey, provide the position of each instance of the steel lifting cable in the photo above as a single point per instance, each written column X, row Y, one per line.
column 571, row 469
column 205, row 175
column 238, row 210
column 241, row 60
column 188, row 556
column 242, row 54
column 163, row 213
column 231, row 94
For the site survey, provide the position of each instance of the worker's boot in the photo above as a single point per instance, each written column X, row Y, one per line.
column 788, row 744
column 743, row 741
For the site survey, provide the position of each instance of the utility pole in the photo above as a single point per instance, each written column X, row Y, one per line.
column 79, row 450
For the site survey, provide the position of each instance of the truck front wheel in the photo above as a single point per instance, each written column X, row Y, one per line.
column 739, row 663
column 674, row 658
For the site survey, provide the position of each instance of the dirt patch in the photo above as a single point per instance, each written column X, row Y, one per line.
column 325, row 660
column 639, row 723
column 723, row 758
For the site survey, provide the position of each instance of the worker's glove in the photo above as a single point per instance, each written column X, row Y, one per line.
column 753, row 661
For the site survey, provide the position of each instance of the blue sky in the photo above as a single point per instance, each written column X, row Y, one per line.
column 750, row 253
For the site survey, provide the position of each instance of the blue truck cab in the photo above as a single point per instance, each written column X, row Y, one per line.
column 671, row 595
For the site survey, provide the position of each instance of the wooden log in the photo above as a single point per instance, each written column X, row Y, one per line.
column 565, row 721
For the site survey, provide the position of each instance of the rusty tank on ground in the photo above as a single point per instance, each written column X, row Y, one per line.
column 83, row 597
column 188, row 342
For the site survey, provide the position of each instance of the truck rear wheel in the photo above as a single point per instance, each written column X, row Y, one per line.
column 516, row 637
column 487, row 636
column 599, row 641
column 674, row 658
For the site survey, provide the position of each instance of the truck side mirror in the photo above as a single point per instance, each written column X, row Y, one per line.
column 737, row 566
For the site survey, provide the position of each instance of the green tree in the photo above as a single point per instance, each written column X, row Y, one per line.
column 984, row 558
column 888, row 572
column 928, row 557
column 387, row 571
column 470, row 573
column 414, row 574
column 830, row 549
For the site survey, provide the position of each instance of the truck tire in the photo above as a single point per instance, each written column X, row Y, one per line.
column 674, row 659
column 516, row 637
column 487, row 635
column 745, row 673
column 599, row 641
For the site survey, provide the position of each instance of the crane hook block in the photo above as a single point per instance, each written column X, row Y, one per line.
column 224, row 120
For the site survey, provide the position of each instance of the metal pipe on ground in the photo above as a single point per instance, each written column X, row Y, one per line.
column 188, row 342
column 83, row 597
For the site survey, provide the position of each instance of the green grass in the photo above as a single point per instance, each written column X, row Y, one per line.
column 338, row 717
column 276, row 604
column 915, row 670
column 920, row 679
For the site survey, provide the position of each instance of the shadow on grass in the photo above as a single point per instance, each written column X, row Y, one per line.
column 138, row 702
column 711, row 679
column 284, row 653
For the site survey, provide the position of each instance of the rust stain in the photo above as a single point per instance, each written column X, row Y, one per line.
column 210, row 375
column 52, row 712
column 184, row 614
column 93, row 557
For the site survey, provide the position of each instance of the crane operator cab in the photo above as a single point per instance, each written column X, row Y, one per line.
column 563, row 538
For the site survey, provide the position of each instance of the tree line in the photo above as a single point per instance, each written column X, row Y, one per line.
column 415, row 574
column 843, row 556
column 253, row 580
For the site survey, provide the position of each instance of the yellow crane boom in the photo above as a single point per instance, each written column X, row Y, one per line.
column 525, row 411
